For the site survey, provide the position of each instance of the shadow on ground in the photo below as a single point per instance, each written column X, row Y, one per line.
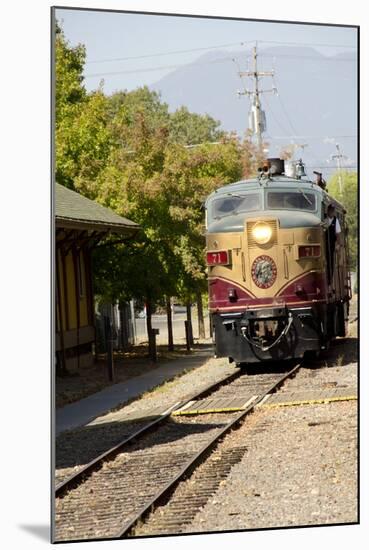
column 79, row 447
column 269, row 367
column 343, row 351
column 88, row 380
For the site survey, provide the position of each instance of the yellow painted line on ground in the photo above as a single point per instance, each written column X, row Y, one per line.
column 310, row 401
column 186, row 410
column 207, row 411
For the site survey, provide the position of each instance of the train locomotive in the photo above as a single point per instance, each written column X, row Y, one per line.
column 275, row 290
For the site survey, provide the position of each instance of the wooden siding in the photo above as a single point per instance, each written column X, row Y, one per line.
column 74, row 300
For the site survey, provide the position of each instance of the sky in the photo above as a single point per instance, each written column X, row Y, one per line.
column 130, row 50
column 149, row 40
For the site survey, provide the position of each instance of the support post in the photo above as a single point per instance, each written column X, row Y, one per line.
column 200, row 315
column 153, row 352
column 58, row 307
column 188, row 338
column 189, row 320
column 109, row 344
column 170, row 324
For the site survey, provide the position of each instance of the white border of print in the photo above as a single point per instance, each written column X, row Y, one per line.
column 25, row 312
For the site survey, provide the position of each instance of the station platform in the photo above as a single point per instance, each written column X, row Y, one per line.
column 84, row 411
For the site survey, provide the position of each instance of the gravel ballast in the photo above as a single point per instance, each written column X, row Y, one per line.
column 75, row 448
column 299, row 467
column 300, row 463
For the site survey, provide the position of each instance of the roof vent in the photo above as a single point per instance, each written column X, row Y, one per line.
column 276, row 166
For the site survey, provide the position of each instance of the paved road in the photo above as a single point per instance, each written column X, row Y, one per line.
column 160, row 322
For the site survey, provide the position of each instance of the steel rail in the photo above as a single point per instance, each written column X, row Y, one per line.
column 164, row 494
column 77, row 478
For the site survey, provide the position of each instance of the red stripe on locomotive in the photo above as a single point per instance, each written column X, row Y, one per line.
column 309, row 287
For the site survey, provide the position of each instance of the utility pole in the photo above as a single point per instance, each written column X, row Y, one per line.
column 257, row 121
column 339, row 158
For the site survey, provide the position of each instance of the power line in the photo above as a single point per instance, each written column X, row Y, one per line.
column 239, row 74
column 174, row 52
column 214, row 47
column 275, row 118
column 284, row 109
column 333, row 167
column 315, row 58
column 161, row 68
column 277, row 121
column 306, row 44
column 195, row 64
column 313, row 137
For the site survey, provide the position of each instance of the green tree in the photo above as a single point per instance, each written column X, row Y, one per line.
column 189, row 176
column 349, row 198
column 141, row 99
column 82, row 136
column 83, row 144
column 69, row 89
column 128, row 152
column 162, row 185
column 189, row 128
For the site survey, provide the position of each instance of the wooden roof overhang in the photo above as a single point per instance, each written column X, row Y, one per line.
column 82, row 222
column 90, row 235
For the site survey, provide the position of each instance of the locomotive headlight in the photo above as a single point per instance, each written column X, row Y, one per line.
column 262, row 233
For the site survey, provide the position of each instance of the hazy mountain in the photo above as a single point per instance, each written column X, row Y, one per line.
column 317, row 96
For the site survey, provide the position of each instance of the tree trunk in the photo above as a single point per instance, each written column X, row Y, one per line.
column 170, row 324
column 149, row 326
column 200, row 315
column 189, row 319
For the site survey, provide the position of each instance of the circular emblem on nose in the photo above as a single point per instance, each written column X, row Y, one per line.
column 264, row 271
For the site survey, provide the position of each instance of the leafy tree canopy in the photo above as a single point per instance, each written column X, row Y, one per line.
column 349, row 198
column 69, row 63
column 189, row 128
column 131, row 154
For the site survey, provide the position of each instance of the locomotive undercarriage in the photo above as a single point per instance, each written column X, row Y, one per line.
column 278, row 333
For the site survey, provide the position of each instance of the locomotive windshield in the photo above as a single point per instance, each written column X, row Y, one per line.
column 291, row 200
column 233, row 204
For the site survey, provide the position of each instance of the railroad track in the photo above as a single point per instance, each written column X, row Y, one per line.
column 112, row 495
column 137, row 429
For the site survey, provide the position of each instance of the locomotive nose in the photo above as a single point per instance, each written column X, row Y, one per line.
column 261, row 236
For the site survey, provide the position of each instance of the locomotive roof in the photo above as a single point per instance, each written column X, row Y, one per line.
column 280, row 181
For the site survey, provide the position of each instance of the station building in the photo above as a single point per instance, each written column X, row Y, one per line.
column 80, row 224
